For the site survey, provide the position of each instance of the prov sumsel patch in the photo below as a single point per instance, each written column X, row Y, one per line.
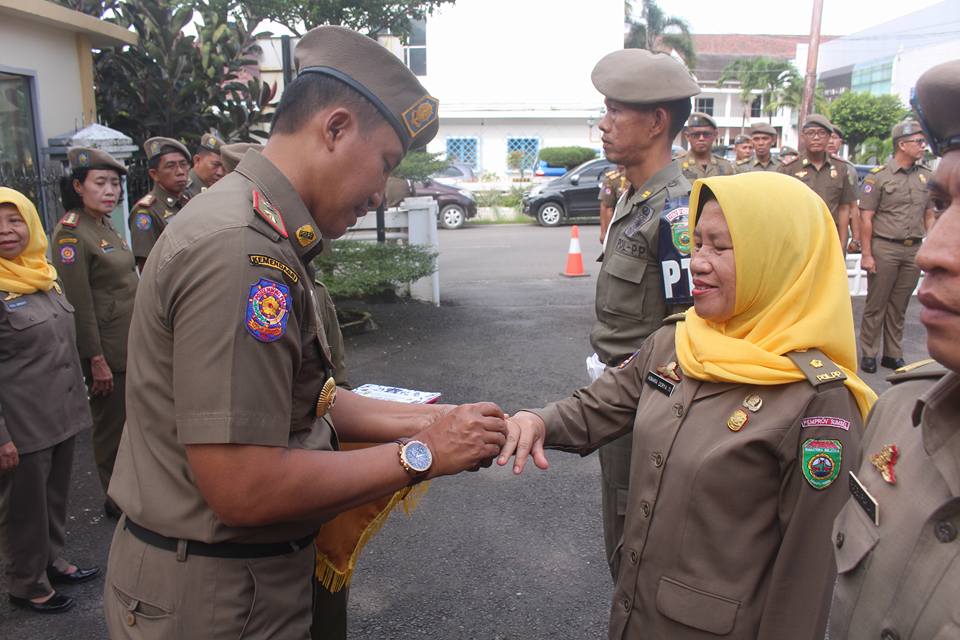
column 268, row 307
column 820, row 461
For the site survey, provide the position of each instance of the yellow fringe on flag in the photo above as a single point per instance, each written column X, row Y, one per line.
column 340, row 541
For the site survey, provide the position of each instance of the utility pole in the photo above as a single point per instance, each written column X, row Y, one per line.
column 813, row 52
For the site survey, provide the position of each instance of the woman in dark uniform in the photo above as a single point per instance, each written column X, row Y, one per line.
column 746, row 413
column 42, row 407
column 100, row 279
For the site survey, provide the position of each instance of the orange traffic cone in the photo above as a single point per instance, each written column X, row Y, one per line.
column 574, row 256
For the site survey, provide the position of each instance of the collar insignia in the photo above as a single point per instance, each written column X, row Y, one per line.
column 306, row 235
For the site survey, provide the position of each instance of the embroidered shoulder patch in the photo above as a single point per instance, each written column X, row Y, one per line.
column 420, row 115
column 272, row 263
column 143, row 221
column 70, row 219
column 820, row 461
column 68, row 255
column 268, row 307
column 269, row 213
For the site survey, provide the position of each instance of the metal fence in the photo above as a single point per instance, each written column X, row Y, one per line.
column 41, row 187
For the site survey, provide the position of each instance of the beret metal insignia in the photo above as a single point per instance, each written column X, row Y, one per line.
column 420, row 115
column 82, row 159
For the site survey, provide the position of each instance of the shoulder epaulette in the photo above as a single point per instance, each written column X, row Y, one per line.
column 821, row 371
column 877, row 169
column 928, row 368
column 146, row 201
column 673, row 318
column 744, row 161
column 269, row 213
column 790, row 161
column 70, row 219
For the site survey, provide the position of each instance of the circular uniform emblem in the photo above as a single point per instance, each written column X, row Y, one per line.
column 143, row 222
column 68, row 255
column 267, row 310
column 820, row 466
column 867, row 188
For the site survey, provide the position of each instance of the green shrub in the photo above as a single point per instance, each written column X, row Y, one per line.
column 418, row 165
column 355, row 269
column 512, row 198
column 568, row 157
column 487, row 198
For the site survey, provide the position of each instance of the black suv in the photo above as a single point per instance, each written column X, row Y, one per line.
column 575, row 194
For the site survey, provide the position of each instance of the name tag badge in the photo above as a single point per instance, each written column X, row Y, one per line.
column 863, row 498
column 660, row 383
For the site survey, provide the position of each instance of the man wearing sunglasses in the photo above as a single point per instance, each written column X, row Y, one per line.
column 701, row 132
column 895, row 217
column 825, row 173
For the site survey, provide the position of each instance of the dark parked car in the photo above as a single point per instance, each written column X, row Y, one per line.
column 455, row 173
column 456, row 205
column 572, row 195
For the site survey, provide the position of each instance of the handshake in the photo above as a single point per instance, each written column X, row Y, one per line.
column 471, row 436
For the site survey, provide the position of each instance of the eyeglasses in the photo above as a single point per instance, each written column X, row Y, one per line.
column 938, row 147
column 920, row 141
column 701, row 134
column 815, row 133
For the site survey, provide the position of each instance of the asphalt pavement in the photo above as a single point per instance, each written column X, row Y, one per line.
column 486, row 555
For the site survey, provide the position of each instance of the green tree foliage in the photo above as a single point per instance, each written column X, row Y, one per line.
column 790, row 94
column 653, row 30
column 367, row 16
column 767, row 75
column 874, row 151
column 419, row 165
column 568, row 157
column 863, row 115
column 355, row 269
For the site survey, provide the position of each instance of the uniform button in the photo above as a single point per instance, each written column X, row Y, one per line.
column 645, row 508
column 889, row 634
column 945, row 531
column 678, row 410
column 626, row 604
column 657, row 459
column 131, row 619
column 633, row 557
column 839, row 539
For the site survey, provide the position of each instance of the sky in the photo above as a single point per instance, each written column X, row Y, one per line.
column 840, row 17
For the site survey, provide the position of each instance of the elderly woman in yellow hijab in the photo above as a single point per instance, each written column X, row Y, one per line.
column 43, row 405
column 746, row 413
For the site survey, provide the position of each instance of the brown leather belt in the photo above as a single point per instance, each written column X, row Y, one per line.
column 217, row 549
column 907, row 242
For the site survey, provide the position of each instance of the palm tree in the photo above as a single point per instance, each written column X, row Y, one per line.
column 769, row 76
column 656, row 31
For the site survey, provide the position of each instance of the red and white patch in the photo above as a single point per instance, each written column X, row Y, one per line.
column 825, row 421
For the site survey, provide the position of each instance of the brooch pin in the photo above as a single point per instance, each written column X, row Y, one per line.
column 670, row 371
column 753, row 402
column 885, row 461
column 737, row 420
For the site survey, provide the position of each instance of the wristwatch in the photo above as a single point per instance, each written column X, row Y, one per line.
column 415, row 458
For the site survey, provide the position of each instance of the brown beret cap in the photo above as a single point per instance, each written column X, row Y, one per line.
column 742, row 139
column 211, row 142
column 232, row 154
column 788, row 151
column 763, row 127
column 936, row 97
column 377, row 75
column 698, row 119
column 905, row 128
column 817, row 120
column 837, row 130
column 638, row 76
column 158, row 146
column 90, row 158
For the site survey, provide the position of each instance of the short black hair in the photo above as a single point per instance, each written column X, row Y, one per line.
column 69, row 197
column 312, row 92
column 154, row 162
column 678, row 110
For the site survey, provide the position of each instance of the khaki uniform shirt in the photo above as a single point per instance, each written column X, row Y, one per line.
column 630, row 303
column 754, row 164
column 43, row 400
column 196, row 186
column 614, row 183
column 717, row 166
column 832, row 182
column 100, row 279
column 898, row 198
column 228, row 349
column 150, row 216
column 724, row 533
column 901, row 578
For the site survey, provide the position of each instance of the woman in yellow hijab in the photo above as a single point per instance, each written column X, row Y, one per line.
column 746, row 414
column 43, row 406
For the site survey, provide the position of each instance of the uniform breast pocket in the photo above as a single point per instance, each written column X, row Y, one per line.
column 26, row 318
column 625, row 291
column 854, row 537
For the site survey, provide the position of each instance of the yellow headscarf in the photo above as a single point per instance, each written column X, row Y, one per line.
column 29, row 272
column 791, row 288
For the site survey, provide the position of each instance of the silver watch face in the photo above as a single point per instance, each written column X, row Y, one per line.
column 417, row 455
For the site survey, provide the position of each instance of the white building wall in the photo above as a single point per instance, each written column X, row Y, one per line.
column 909, row 65
column 52, row 55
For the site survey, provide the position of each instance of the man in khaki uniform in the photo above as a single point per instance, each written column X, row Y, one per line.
column 99, row 277
column 743, row 151
column 763, row 137
column 895, row 216
column 835, row 146
column 828, row 175
column 648, row 98
column 895, row 541
column 612, row 186
column 701, row 132
column 169, row 165
column 229, row 462
column 207, row 165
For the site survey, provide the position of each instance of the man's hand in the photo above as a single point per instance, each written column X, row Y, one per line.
column 9, row 458
column 466, row 438
column 868, row 264
column 102, row 376
column 525, row 436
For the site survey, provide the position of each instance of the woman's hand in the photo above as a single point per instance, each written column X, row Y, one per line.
column 102, row 376
column 9, row 458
